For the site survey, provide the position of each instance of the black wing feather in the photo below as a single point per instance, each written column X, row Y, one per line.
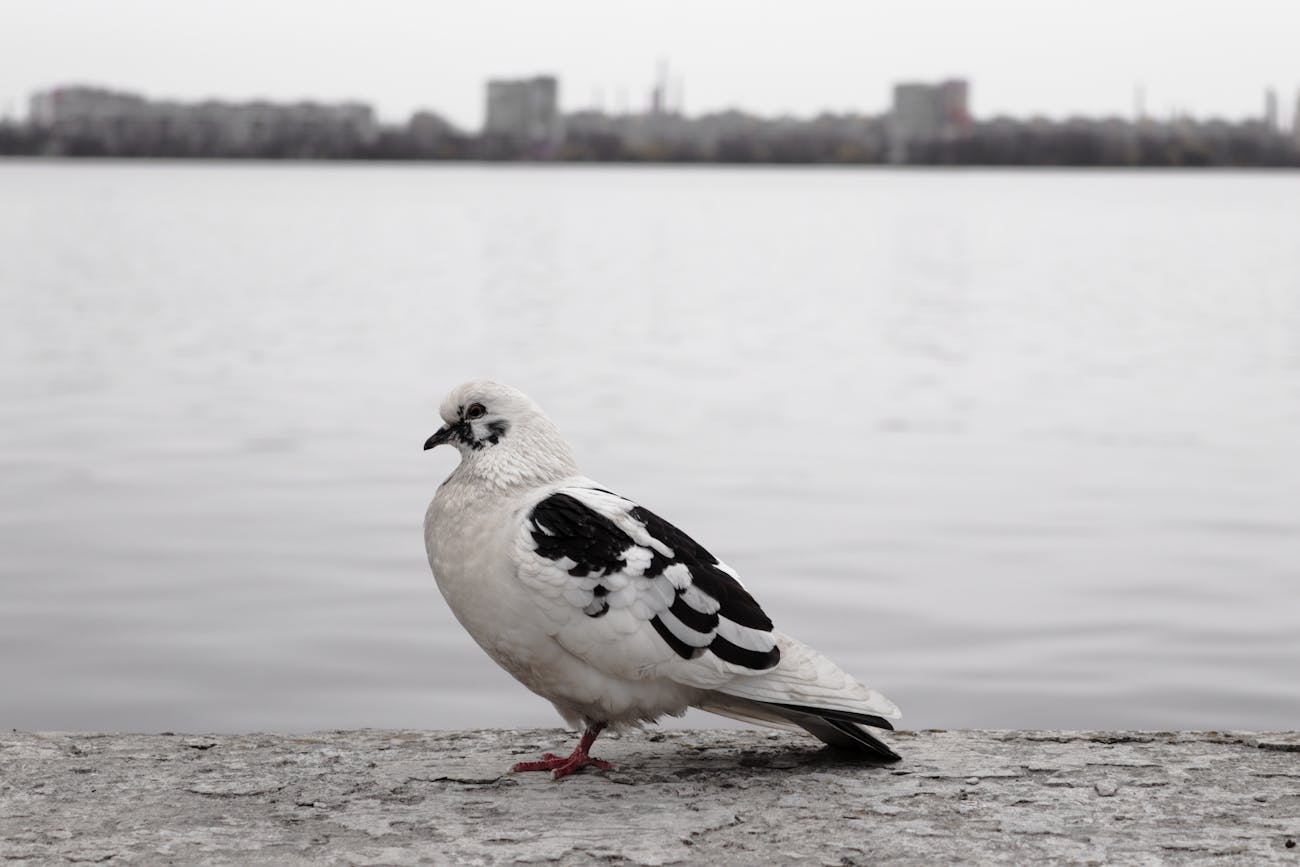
column 738, row 605
column 562, row 526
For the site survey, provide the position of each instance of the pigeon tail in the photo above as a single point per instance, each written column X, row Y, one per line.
column 831, row 727
column 805, row 680
column 809, row 691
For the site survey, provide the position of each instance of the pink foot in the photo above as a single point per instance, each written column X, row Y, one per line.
column 563, row 766
column 549, row 762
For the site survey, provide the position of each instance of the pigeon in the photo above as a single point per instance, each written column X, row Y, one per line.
column 597, row 604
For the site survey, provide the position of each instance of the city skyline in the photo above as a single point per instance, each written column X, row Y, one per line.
column 1194, row 58
column 929, row 123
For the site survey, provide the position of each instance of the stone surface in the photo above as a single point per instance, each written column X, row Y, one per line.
column 731, row 797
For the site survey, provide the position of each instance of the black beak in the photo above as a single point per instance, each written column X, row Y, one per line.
column 442, row 436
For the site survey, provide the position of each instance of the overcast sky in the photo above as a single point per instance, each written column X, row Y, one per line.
column 1021, row 56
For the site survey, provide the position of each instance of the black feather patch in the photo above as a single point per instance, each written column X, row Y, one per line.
column 758, row 660
column 692, row 619
column 464, row 431
column 598, row 606
column 562, row 526
column 843, row 715
column 496, row 430
column 736, row 604
column 872, row 746
column 681, row 648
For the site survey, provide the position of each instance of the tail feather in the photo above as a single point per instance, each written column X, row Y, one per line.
column 809, row 691
column 842, row 715
column 805, row 680
column 863, row 741
column 827, row 726
column 747, row 712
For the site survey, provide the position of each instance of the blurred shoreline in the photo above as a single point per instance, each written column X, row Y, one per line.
column 649, row 165
column 927, row 124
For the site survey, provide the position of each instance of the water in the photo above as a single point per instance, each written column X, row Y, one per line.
column 1018, row 448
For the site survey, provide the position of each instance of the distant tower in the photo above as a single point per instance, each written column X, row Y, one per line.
column 659, row 96
column 1140, row 103
column 1270, row 110
column 1295, row 123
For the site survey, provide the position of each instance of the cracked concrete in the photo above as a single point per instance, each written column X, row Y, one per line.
column 712, row 797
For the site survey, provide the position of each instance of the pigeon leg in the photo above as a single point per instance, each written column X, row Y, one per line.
column 562, row 766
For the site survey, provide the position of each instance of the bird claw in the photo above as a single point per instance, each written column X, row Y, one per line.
column 573, row 765
column 549, row 762
column 561, row 766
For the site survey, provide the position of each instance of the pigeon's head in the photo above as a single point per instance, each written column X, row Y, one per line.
column 500, row 431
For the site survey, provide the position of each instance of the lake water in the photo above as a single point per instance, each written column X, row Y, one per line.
column 1019, row 448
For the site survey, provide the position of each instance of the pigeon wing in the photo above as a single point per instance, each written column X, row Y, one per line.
column 634, row 596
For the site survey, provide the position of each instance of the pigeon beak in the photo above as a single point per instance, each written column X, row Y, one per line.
column 442, row 436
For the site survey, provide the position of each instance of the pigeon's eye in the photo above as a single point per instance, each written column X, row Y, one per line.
column 476, row 410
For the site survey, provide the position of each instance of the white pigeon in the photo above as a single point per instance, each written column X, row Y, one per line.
column 602, row 607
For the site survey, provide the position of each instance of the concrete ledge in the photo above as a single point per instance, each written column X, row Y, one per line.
column 736, row 797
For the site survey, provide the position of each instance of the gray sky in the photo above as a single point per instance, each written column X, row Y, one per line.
column 1022, row 56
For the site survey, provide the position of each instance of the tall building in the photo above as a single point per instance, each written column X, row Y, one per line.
column 525, row 110
column 928, row 113
column 1270, row 110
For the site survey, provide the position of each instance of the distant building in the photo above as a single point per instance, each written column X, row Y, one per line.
column 428, row 129
column 1270, row 110
column 83, row 108
column 927, row 113
column 525, row 111
column 101, row 120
